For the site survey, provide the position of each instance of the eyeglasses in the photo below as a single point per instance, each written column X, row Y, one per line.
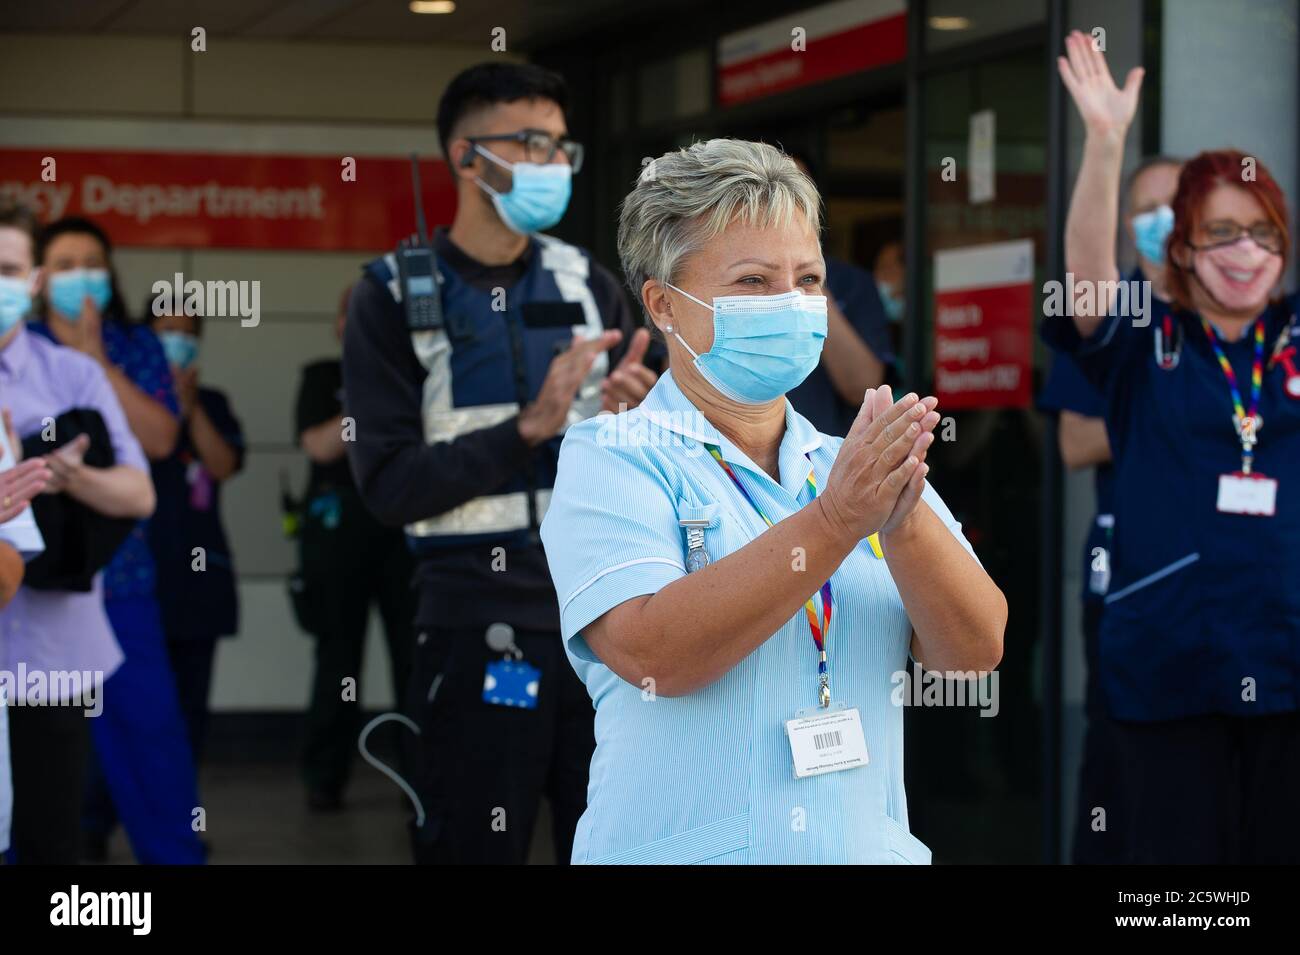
column 1219, row 232
column 539, row 146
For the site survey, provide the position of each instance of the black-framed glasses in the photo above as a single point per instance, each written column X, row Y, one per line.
column 539, row 146
column 1219, row 232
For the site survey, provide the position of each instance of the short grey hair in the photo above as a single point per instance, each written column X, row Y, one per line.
column 686, row 197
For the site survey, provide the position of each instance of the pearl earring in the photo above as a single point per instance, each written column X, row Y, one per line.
column 668, row 329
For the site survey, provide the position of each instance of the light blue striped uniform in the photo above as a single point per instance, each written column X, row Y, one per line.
column 708, row 777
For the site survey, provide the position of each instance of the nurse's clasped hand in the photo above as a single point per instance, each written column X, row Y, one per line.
column 879, row 473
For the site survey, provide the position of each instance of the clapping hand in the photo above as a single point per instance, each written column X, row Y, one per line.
column 547, row 413
column 879, row 473
column 629, row 383
column 65, row 464
column 22, row 482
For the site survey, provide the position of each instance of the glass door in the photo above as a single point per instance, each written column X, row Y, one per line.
column 974, row 770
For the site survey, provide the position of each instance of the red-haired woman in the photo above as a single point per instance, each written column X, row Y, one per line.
column 1200, row 644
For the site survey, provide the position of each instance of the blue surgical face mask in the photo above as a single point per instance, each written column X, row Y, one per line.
column 538, row 196
column 892, row 303
column 15, row 301
column 1150, row 232
column 763, row 345
column 69, row 289
column 181, row 348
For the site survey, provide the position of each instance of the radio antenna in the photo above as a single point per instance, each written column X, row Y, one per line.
column 419, row 199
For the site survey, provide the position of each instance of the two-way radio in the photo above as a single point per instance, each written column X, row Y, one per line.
column 417, row 268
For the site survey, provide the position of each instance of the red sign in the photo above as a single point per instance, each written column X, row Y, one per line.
column 809, row 47
column 224, row 200
column 983, row 325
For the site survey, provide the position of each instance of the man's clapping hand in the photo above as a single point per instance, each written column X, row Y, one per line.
column 629, row 383
column 547, row 413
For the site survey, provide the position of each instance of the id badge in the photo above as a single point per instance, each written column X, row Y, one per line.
column 1247, row 494
column 826, row 741
column 511, row 683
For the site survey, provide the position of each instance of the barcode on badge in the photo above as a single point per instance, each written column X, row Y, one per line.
column 827, row 740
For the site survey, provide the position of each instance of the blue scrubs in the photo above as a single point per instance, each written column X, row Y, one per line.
column 141, row 744
column 1203, row 606
column 1200, row 642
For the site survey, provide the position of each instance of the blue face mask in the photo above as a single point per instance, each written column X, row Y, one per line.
column 1151, row 231
column 538, row 196
column 15, row 301
column 181, row 348
column 763, row 345
column 892, row 303
column 69, row 289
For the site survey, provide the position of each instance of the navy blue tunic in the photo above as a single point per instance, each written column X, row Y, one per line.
column 1203, row 611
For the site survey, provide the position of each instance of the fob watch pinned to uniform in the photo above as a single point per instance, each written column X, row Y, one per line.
column 697, row 557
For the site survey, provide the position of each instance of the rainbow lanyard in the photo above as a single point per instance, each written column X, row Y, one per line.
column 1245, row 422
column 819, row 628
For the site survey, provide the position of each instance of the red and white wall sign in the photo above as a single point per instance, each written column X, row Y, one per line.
column 983, row 325
column 225, row 200
column 838, row 38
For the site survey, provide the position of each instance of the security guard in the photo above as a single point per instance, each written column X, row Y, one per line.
column 458, row 425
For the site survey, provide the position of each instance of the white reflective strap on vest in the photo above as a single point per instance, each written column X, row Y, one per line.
column 394, row 283
column 434, row 353
column 447, row 425
column 432, row 349
column 490, row 514
column 500, row 513
column 571, row 269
